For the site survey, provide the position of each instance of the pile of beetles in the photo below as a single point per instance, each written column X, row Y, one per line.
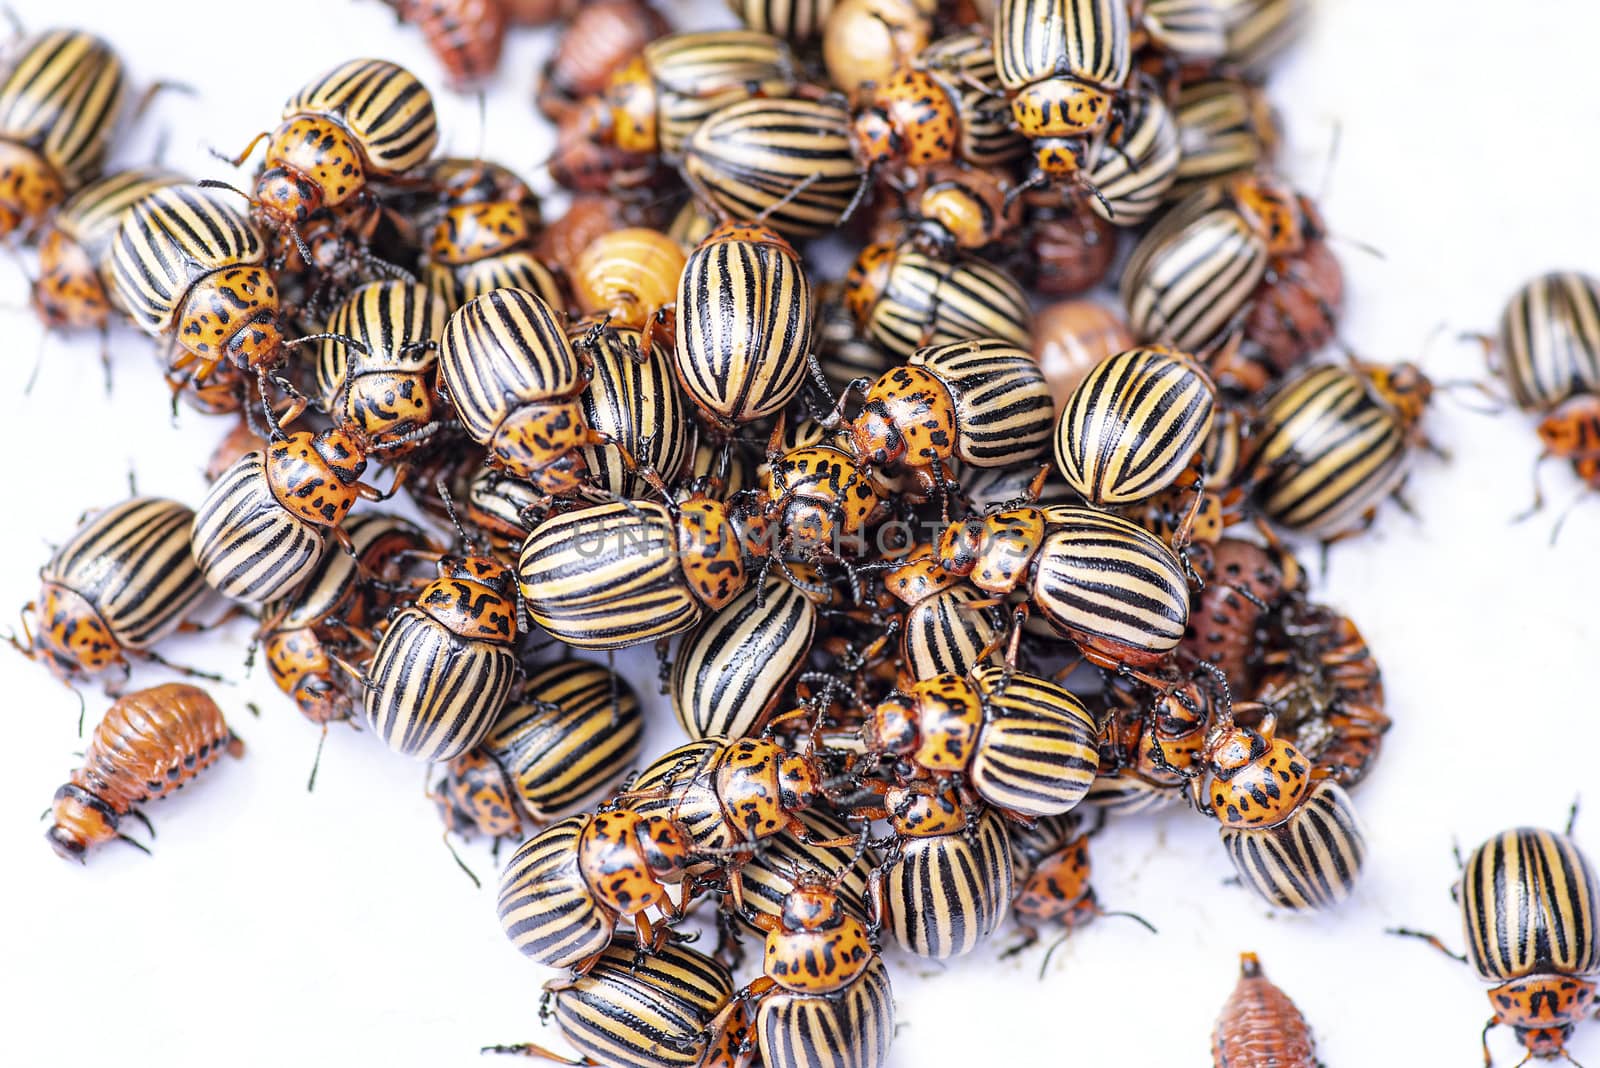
column 947, row 558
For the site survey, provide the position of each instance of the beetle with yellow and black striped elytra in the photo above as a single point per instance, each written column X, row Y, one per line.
column 632, row 400
column 1066, row 64
column 365, row 119
column 121, row 583
column 74, row 289
column 332, row 615
column 1333, row 443
column 1110, row 586
column 515, row 380
column 903, row 300
column 729, row 796
column 1288, row 827
column 1018, row 742
column 1226, row 127
column 823, row 998
column 266, row 523
column 655, row 104
column 149, row 744
column 571, row 731
column 1132, row 426
column 612, row 575
column 376, row 362
column 567, row 889
column 59, row 97
column 446, row 664
column 1548, row 353
column 1548, row 347
column 734, row 669
column 817, row 501
column 790, row 161
column 745, row 320
column 1244, row 256
column 945, row 881
column 982, row 401
column 642, row 1008
column 1529, row 902
column 941, row 106
column 945, row 628
column 188, row 269
column 1124, row 171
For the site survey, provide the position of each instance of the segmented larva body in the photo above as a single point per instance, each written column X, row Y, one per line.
column 1259, row 1027
column 149, row 744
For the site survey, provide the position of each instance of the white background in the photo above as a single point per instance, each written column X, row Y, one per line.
column 274, row 926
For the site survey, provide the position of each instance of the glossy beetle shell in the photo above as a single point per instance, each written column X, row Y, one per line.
column 745, row 318
column 1110, row 586
column 607, row 576
column 1550, row 340
column 1310, row 861
column 732, row 671
column 642, row 1009
column 1133, row 424
column 1329, row 449
column 248, row 545
column 904, row 300
column 122, row 582
column 1529, row 904
column 633, row 399
column 749, row 156
column 946, row 893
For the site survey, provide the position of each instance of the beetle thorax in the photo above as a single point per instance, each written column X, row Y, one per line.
column 73, row 635
column 232, row 315
column 312, row 163
column 29, row 187
column 313, row 475
column 1542, row 1009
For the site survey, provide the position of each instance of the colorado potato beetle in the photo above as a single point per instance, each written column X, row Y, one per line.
column 121, row 583
column 59, row 97
column 572, row 730
column 565, row 890
column 445, row 666
column 1529, row 900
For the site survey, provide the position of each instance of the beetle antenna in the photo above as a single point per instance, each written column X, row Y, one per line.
column 316, row 761
column 344, row 339
column 216, row 183
column 445, row 838
column 789, row 198
column 1134, row 916
column 455, row 520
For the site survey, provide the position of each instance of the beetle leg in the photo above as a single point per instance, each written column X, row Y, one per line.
column 238, row 161
column 529, row 1049
column 1432, row 940
column 196, row 673
column 663, row 321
